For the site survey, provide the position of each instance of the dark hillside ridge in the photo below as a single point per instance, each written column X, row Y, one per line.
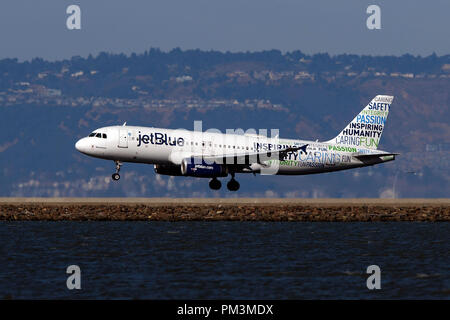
column 47, row 106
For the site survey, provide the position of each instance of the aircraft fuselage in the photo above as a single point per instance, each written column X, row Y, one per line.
column 169, row 147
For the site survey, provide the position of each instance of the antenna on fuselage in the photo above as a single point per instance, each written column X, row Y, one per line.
column 124, row 124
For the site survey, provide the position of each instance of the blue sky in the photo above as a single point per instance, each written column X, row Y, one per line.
column 30, row 28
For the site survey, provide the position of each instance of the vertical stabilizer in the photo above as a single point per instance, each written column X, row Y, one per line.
column 366, row 128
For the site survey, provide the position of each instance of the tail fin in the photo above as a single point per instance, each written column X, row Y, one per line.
column 366, row 129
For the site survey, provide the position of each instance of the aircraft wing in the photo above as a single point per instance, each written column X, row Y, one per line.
column 254, row 157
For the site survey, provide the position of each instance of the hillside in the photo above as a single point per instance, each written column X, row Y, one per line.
column 47, row 106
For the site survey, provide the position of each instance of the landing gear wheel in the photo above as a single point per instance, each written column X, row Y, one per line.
column 116, row 176
column 233, row 185
column 215, row 184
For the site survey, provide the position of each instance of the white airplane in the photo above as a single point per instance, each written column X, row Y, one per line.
column 212, row 155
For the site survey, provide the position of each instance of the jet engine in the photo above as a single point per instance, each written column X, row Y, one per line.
column 168, row 169
column 197, row 167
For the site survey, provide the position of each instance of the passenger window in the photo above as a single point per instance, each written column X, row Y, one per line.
column 104, row 136
column 98, row 135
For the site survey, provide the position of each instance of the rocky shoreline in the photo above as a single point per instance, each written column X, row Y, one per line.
column 228, row 210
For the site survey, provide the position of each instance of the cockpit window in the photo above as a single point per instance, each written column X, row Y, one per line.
column 98, row 135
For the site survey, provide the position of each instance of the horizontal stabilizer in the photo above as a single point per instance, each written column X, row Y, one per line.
column 375, row 158
column 366, row 155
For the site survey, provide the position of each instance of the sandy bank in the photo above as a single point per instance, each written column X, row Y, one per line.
column 237, row 209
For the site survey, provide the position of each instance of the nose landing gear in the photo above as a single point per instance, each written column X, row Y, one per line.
column 116, row 176
column 215, row 184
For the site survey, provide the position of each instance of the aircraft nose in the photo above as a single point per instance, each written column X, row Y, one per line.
column 82, row 145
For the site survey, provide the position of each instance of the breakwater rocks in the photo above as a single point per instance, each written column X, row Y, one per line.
column 157, row 209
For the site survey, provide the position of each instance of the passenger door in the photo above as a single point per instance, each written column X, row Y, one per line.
column 123, row 138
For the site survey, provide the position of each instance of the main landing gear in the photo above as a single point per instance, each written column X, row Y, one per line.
column 116, row 176
column 232, row 185
column 215, row 184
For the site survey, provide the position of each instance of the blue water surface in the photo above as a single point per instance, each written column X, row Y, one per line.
column 224, row 260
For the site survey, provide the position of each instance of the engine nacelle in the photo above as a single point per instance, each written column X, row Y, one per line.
column 197, row 167
column 168, row 169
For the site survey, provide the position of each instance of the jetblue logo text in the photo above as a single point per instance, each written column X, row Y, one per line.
column 159, row 138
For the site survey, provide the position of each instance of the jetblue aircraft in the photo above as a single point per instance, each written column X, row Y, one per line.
column 214, row 155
